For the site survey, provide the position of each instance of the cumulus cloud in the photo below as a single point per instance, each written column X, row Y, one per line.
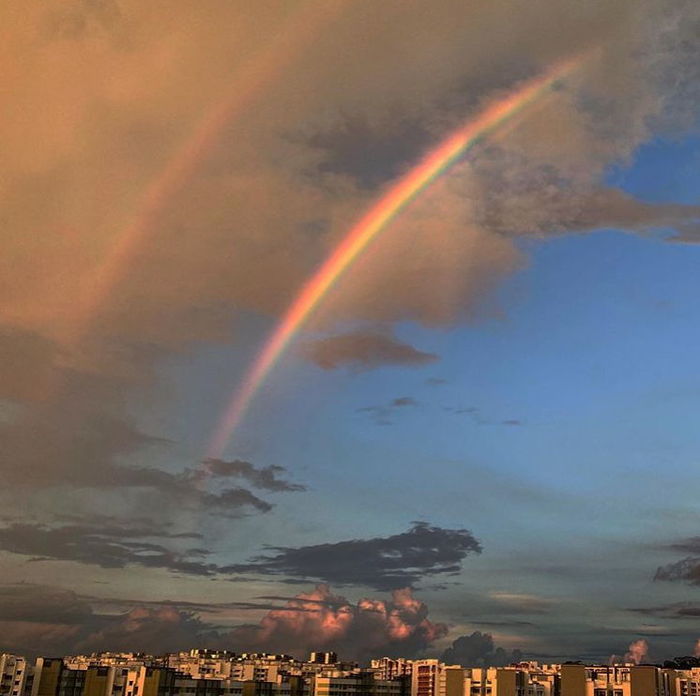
column 637, row 651
column 326, row 621
column 478, row 650
column 365, row 350
column 383, row 563
column 44, row 620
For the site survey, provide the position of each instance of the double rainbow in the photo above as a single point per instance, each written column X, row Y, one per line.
column 384, row 210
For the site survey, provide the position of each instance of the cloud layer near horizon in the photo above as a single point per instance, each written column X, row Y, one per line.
column 42, row 620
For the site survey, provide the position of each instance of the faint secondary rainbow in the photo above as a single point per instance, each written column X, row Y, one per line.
column 248, row 81
column 384, row 210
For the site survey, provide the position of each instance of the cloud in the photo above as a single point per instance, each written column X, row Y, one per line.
column 44, row 620
column 150, row 630
column 111, row 542
column 36, row 604
column 384, row 563
column 687, row 569
column 676, row 610
column 479, row 418
column 108, row 547
column 478, row 650
column 366, row 351
column 382, row 415
column 690, row 545
column 637, row 651
column 395, row 627
column 518, row 603
column 503, row 623
column 23, row 353
column 401, row 401
column 264, row 477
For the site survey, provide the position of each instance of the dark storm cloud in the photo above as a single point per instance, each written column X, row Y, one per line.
column 145, row 629
column 478, row 650
column 107, row 547
column 690, row 545
column 365, row 350
column 203, row 607
column 370, row 153
column 21, row 353
column 677, row 610
column 264, row 477
column 383, row 563
column 69, row 425
column 37, row 604
column 685, row 570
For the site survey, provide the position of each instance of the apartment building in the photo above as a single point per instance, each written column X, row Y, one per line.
column 14, row 671
column 434, row 678
column 323, row 658
column 683, row 682
column 360, row 683
column 390, row 668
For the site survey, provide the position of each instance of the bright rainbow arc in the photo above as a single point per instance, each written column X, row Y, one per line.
column 396, row 198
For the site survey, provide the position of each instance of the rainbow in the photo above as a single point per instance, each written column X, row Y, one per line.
column 379, row 215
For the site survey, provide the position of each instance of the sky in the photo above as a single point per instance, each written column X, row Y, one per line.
column 477, row 441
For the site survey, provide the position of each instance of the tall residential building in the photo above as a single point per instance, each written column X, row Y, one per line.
column 13, row 674
column 390, row 668
column 360, row 683
column 434, row 678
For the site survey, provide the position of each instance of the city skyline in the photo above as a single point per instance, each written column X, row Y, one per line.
column 221, row 672
column 355, row 326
